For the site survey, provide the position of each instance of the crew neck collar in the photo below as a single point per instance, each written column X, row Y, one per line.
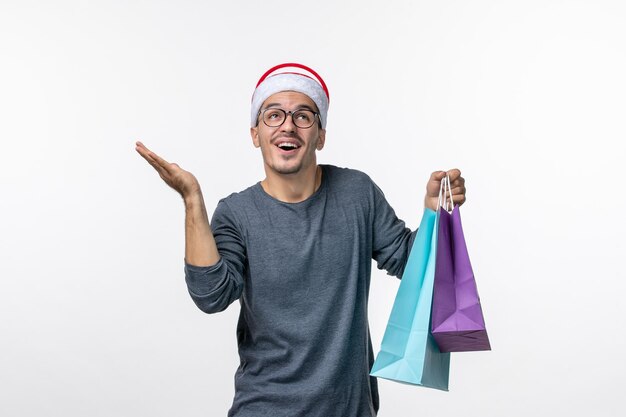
column 313, row 196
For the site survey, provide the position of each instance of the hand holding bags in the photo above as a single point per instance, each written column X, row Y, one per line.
column 437, row 279
column 408, row 351
column 457, row 318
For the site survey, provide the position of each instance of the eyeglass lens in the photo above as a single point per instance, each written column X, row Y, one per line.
column 276, row 117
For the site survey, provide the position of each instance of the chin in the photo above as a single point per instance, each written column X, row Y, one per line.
column 285, row 170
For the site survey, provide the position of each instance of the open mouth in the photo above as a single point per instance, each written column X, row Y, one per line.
column 287, row 146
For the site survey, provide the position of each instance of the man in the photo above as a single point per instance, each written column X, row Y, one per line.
column 295, row 249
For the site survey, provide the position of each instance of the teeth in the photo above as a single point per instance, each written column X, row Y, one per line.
column 288, row 145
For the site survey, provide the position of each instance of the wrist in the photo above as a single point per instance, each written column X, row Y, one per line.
column 193, row 199
column 431, row 203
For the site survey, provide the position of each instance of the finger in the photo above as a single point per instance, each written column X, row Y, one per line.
column 432, row 187
column 158, row 168
column 160, row 162
column 437, row 176
column 459, row 190
column 459, row 199
column 141, row 148
column 454, row 174
column 158, row 159
column 459, row 182
column 149, row 157
column 146, row 154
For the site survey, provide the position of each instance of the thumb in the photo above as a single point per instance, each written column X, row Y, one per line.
column 438, row 175
column 432, row 187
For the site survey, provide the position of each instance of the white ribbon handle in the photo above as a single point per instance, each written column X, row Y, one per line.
column 441, row 195
column 449, row 184
column 445, row 188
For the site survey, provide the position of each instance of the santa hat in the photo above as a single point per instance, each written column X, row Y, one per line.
column 291, row 77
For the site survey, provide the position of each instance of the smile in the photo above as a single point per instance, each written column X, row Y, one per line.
column 287, row 146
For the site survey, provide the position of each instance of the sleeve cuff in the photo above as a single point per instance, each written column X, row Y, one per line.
column 203, row 269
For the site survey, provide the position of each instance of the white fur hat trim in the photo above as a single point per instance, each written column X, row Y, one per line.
column 290, row 82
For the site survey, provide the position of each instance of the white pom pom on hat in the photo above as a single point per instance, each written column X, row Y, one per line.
column 291, row 77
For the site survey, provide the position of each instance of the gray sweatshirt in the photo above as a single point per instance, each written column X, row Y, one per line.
column 301, row 272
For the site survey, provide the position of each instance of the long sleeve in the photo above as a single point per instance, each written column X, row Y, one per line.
column 301, row 272
column 215, row 287
column 392, row 240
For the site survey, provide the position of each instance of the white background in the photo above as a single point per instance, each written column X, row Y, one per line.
column 527, row 98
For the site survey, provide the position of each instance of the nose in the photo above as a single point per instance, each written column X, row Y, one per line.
column 288, row 125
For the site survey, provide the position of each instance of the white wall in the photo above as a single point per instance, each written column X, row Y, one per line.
column 526, row 97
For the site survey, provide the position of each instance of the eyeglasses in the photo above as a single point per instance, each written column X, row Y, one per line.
column 274, row 117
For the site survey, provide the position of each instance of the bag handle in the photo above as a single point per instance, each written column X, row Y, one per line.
column 445, row 188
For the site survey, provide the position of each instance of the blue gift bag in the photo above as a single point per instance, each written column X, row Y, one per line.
column 408, row 352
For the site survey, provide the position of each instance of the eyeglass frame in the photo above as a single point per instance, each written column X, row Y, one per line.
column 290, row 113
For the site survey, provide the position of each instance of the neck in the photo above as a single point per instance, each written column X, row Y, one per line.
column 292, row 188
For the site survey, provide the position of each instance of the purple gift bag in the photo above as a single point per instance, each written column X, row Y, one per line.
column 457, row 322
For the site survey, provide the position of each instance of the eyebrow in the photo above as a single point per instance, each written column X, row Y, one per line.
column 300, row 107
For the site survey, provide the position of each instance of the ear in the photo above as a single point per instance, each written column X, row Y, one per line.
column 321, row 140
column 254, row 134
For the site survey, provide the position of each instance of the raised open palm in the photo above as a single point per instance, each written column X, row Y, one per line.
column 180, row 180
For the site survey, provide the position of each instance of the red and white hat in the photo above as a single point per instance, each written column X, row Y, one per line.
column 291, row 77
